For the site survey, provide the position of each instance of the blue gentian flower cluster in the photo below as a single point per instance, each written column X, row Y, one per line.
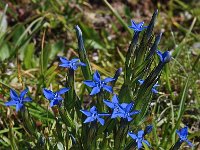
column 121, row 110
column 125, row 111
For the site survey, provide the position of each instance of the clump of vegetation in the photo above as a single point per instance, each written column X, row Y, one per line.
column 71, row 106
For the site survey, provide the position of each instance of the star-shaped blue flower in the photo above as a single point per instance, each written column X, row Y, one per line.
column 137, row 27
column 114, row 105
column 183, row 133
column 121, row 110
column 139, row 138
column 125, row 111
column 93, row 115
column 71, row 64
column 54, row 97
column 16, row 100
column 164, row 57
column 153, row 88
column 97, row 84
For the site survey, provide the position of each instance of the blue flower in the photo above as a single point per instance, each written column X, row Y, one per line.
column 137, row 27
column 125, row 111
column 97, row 84
column 54, row 97
column 139, row 138
column 72, row 64
column 183, row 133
column 153, row 88
column 16, row 100
column 121, row 110
column 164, row 57
column 114, row 105
column 93, row 115
column 148, row 129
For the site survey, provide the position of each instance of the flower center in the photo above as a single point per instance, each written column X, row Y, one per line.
column 94, row 115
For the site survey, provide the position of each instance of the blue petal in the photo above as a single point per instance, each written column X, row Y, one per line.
column 141, row 81
column 23, row 93
column 166, row 56
column 82, row 64
column 75, row 67
column 64, row 60
column 156, row 85
column 89, row 119
column 62, row 91
column 115, row 99
column 19, row 106
column 48, row 94
column 139, row 145
column 133, row 23
column 65, row 65
column 184, row 131
column 11, row 103
column 140, row 133
column 140, row 24
column 114, row 115
column 189, row 143
column 129, row 107
column 123, row 105
column 148, row 129
column 154, row 91
column 96, row 76
column 85, row 112
column 119, row 114
column 106, row 80
column 101, row 121
column 53, row 103
column 109, row 104
column 95, row 90
column 129, row 119
column 74, row 60
column 108, row 88
column 59, row 98
column 93, row 109
column 160, row 55
column 146, row 142
column 90, row 83
column 27, row 99
column 104, row 114
column 132, row 135
column 134, row 112
column 13, row 94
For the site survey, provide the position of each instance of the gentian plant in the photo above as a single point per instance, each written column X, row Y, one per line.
column 92, row 121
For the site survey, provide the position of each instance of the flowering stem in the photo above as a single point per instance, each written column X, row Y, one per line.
column 121, row 133
column 130, row 53
column 28, row 124
column 100, row 101
column 92, row 134
column 69, row 96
